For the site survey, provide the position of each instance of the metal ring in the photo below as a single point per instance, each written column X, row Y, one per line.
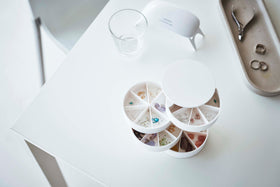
column 264, row 66
column 260, row 49
column 255, row 64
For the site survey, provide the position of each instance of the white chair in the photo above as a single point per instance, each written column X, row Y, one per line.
column 64, row 21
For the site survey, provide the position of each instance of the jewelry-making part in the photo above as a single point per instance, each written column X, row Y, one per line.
column 260, row 49
column 141, row 94
column 155, row 120
column 197, row 116
column 264, row 66
column 255, row 64
column 159, row 107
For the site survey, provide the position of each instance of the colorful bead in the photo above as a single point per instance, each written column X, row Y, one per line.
column 142, row 94
column 131, row 103
column 198, row 143
column 186, row 145
column 191, row 136
column 215, row 101
column 155, row 120
column 151, row 143
column 159, row 107
column 201, row 138
column 162, row 109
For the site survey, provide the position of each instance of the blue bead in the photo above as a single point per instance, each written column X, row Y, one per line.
column 155, row 120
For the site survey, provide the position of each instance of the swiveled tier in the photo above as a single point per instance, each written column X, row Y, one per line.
column 144, row 106
column 160, row 141
column 190, row 144
column 195, row 119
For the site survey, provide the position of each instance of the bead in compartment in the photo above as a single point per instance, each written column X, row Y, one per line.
column 157, row 118
column 133, row 112
column 190, row 144
column 132, row 100
column 198, row 139
column 186, row 145
column 176, row 147
column 196, row 118
column 138, row 135
column 145, row 119
column 183, row 115
column 153, row 91
column 159, row 103
column 210, row 113
column 174, row 130
column 215, row 100
column 150, row 139
column 164, row 138
column 141, row 91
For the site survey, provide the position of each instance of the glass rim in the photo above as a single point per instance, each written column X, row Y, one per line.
column 130, row 9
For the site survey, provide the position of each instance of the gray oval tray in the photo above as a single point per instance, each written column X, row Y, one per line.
column 259, row 31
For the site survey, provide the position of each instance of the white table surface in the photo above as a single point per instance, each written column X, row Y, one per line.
column 78, row 114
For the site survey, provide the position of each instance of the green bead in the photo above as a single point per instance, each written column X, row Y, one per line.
column 131, row 103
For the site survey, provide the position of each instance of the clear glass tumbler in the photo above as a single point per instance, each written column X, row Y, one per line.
column 127, row 27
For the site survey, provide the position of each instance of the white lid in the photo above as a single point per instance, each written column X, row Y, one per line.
column 188, row 83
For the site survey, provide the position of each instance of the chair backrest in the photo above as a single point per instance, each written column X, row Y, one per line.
column 66, row 20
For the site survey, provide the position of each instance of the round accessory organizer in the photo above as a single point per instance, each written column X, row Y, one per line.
column 147, row 114
column 176, row 118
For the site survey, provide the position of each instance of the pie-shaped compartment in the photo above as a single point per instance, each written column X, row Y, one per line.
column 190, row 144
column 160, row 141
